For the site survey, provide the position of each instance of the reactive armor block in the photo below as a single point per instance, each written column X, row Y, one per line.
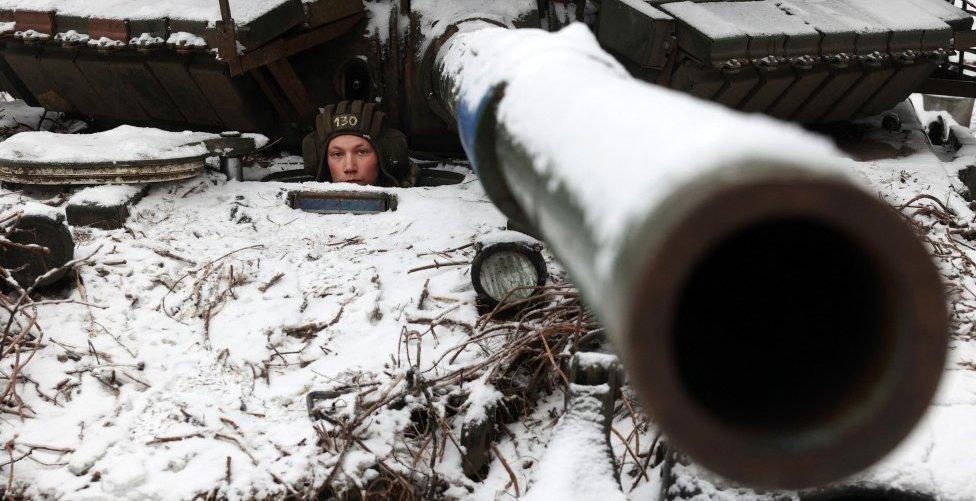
column 804, row 60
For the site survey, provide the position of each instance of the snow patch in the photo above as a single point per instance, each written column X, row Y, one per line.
column 72, row 37
column 577, row 464
column 146, row 40
column 436, row 15
column 184, row 39
column 482, row 397
column 378, row 13
column 592, row 358
column 505, row 236
column 106, row 43
column 207, row 379
column 31, row 35
column 106, row 196
column 31, row 208
column 123, row 143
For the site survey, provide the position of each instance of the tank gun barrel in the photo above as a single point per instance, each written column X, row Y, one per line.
column 782, row 325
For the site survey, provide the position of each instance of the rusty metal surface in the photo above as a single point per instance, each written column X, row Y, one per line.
column 125, row 172
column 41, row 22
column 113, row 29
column 83, row 173
column 231, row 144
column 175, row 87
column 226, row 34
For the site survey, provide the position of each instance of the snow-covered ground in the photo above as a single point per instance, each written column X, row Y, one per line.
column 202, row 326
column 178, row 363
column 939, row 457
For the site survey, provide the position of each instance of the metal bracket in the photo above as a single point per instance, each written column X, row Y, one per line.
column 670, row 62
column 227, row 38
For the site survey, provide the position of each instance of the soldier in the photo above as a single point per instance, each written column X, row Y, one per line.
column 351, row 143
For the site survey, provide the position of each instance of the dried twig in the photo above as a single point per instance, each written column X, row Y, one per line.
column 437, row 265
column 511, row 474
column 264, row 288
column 163, row 440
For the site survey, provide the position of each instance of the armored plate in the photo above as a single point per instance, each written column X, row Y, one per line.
column 173, row 72
column 113, row 92
column 72, row 83
column 143, row 86
column 809, row 61
column 838, row 32
column 958, row 19
column 706, row 35
column 774, row 36
column 636, row 30
column 23, row 60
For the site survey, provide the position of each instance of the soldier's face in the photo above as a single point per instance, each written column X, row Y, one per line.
column 353, row 160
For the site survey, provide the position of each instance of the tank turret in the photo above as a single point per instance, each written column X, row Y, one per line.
column 268, row 66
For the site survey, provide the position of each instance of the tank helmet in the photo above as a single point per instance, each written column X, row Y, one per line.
column 365, row 120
